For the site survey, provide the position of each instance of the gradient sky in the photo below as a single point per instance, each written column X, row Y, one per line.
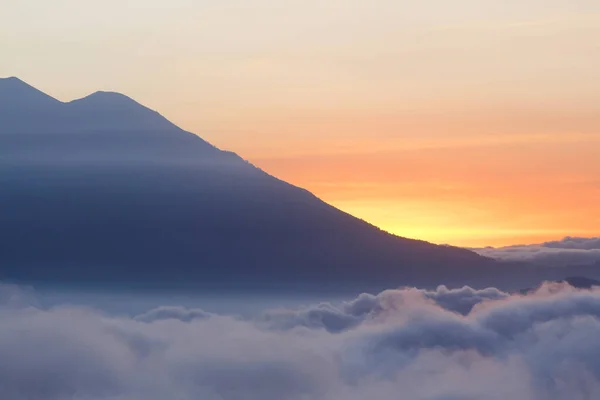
column 471, row 122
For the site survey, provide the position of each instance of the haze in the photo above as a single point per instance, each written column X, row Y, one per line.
column 465, row 122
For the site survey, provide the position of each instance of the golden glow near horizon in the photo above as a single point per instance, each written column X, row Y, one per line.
column 470, row 122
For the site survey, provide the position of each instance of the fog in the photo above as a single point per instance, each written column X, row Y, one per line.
column 402, row 343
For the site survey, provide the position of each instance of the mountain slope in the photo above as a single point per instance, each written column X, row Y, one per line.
column 104, row 189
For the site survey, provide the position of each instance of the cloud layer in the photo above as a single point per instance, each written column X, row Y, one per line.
column 569, row 251
column 411, row 344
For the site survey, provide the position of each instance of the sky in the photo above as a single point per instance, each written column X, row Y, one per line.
column 470, row 122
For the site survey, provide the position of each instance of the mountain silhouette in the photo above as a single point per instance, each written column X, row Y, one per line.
column 578, row 282
column 103, row 189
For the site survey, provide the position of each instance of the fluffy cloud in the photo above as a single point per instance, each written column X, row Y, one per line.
column 575, row 243
column 407, row 343
column 337, row 318
column 569, row 251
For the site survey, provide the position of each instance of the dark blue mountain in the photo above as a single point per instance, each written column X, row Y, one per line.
column 103, row 189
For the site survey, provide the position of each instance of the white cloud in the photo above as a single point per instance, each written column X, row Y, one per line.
column 569, row 251
column 407, row 343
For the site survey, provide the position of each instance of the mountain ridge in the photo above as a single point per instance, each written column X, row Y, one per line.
column 108, row 190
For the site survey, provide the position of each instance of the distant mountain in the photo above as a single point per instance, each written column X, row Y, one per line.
column 578, row 282
column 581, row 282
column 105, row 190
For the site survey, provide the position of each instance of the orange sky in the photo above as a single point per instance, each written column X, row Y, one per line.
column 494, row 189
column 470, row 122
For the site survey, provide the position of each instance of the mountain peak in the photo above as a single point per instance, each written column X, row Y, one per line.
column 10, row 79
column 15, row 91
column 24, row 108
column 107, row 94
column 116, row 111
column 107, row 99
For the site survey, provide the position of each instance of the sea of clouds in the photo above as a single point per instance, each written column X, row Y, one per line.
column 560, row 253
column 407, row 344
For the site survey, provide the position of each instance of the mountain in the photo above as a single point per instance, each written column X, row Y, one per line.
column 581, row 282
column 105, row 190
column 578, row 282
